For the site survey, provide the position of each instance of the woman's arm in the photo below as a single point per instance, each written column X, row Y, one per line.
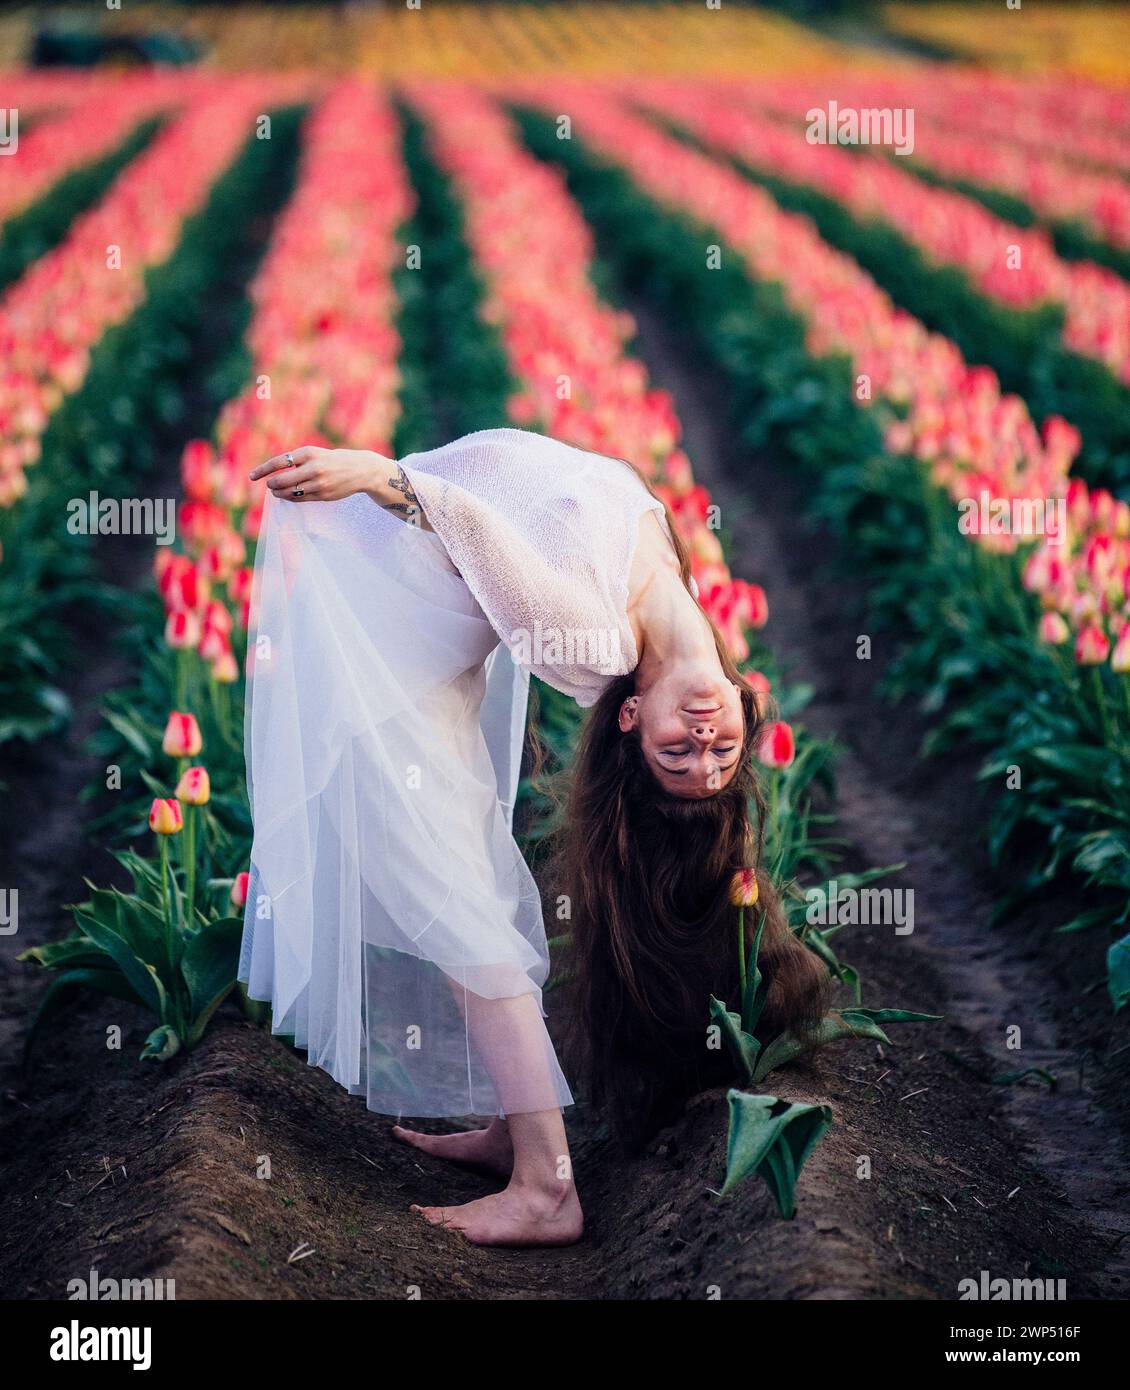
column 314, row 474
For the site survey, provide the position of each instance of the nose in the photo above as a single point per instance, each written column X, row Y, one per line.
column 703, row 732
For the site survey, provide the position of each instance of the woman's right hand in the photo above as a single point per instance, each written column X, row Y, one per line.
column 311, row 473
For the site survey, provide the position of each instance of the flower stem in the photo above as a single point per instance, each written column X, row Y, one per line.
column 165, row 899
column 190, row 852
column 1100, row 699
column 741, row 959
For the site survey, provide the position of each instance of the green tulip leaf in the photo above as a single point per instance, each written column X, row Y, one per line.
column 742, row 1047
column 141, row 975
column 771, row 1138
column 838, row 1024
column 209, row 965
column 753, row 1000
column 1118, row 973
column 161, row 1044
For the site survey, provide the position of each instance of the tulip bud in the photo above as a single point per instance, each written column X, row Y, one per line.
column 744, row 889
column 182, row 629
column 1054, row 629
column 194, row 787
column 182, row 736
column 239, row 890
column 217, row 615
column 777, row 747
column 213, row 644
column 165, row 816
column 225, row 669
column 1092, row 646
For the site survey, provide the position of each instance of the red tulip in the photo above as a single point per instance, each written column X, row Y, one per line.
column 777, row 747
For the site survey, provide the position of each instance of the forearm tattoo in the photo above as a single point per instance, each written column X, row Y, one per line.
column 410, row 507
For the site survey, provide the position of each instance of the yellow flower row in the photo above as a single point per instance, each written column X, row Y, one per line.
column 487, row 40
column 1090, row 40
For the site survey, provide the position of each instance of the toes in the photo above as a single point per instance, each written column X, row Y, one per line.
column 434, row 1216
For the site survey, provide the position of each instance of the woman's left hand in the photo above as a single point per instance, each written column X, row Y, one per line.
column 314, row 474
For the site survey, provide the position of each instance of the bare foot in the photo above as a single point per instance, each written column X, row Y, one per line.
column 515, row 1216
column 488, row 1148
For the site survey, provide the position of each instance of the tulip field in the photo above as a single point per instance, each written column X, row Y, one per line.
column 886, row 395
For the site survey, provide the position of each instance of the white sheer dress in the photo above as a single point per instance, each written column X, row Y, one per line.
column 391, row 921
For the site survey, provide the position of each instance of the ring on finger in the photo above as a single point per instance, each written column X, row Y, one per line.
column 298, row 492
column 290, row 459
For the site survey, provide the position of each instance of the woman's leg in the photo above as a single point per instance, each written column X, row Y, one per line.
column 489, row 1148
column 539, row 1205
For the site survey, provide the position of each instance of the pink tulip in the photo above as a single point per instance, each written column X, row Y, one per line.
column 182, row 630
column 194, row 787
column 182, row 736
column 1054, row 629
column 1092, row 646
column 239, row 889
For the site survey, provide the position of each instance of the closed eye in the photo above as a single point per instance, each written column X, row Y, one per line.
column 684, row 752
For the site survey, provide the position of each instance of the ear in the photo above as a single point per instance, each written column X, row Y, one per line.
column 628, row 715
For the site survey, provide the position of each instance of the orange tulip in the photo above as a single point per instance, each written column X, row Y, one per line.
column 182, row 736
column 194, row 787
column 165, row 816
column 777, row 747
column 744, row 889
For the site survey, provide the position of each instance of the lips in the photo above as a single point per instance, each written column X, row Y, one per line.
column 701, row 713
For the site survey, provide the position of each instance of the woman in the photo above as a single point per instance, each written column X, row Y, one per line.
column 392, row 921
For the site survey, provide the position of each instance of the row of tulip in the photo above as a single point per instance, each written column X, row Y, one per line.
column 52, row 317
column 796, row 328
column 1016, row 266
column 166, row 362
column 1062, row 118
column 80, row 133
column 1057, row 186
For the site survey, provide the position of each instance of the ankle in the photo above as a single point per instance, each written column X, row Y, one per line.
column 544, row 1187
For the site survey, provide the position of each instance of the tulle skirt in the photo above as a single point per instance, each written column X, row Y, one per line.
column 391, row 920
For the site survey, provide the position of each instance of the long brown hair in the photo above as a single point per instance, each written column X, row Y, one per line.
column 653, row 932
